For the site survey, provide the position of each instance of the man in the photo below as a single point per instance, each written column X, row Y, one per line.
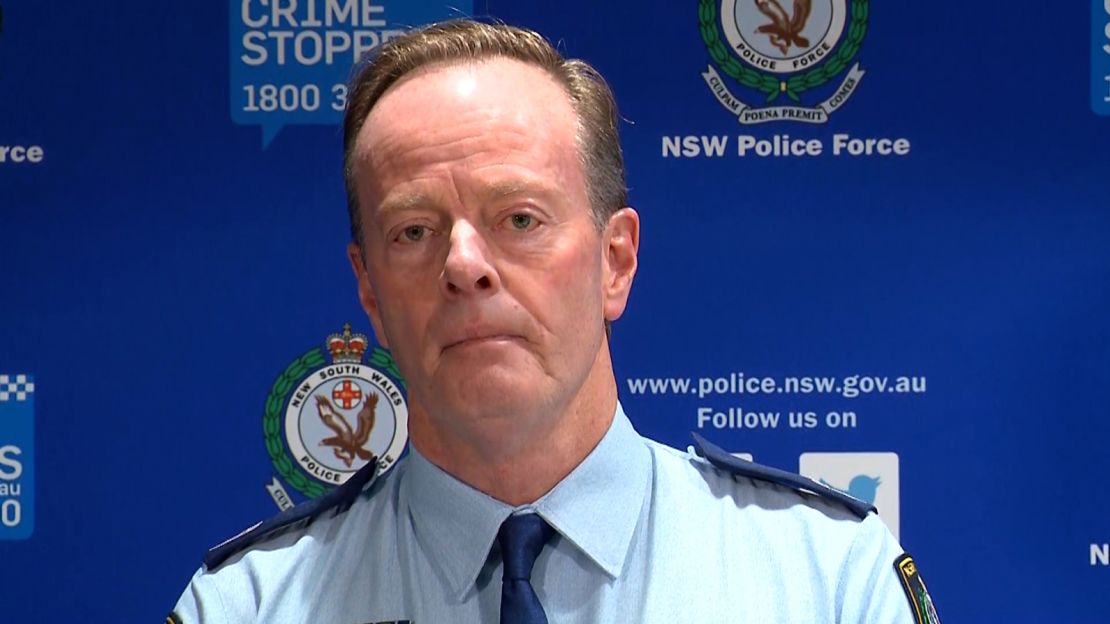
column 493, row 245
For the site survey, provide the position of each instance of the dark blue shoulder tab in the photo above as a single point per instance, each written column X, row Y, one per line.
column 340, row 500
column 721, row 459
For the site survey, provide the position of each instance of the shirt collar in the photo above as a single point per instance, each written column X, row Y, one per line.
column 596, row 507
column 455, row 523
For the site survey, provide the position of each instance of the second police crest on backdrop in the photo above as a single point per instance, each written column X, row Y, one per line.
column 783, row 62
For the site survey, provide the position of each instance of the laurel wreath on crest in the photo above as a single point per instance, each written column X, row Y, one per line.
column 768, row 83
column 275, row 401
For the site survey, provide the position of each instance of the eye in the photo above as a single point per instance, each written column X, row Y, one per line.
column 522, row 222
column 413, row 233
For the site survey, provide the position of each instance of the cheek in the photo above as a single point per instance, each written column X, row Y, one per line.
column 402, row 328
column 402, row 323
column 574, row 287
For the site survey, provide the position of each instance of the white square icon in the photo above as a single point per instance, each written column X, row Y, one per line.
column 870, row 477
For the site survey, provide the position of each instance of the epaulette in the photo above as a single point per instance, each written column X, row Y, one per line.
column 339, row 499
column 721, row 459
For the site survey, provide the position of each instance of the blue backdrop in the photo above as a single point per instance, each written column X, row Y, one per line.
column 879, row 256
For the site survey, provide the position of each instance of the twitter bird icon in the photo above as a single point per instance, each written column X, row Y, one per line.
column 861, row 486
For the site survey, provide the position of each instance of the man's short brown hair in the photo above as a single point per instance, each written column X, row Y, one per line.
column 466, row 40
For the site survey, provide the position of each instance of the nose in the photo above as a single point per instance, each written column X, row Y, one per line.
column 468, row 269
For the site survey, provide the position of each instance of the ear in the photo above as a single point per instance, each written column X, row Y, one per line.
column 621, row 244
column 366, row 292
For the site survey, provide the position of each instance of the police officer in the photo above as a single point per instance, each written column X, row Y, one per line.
column 493, row 246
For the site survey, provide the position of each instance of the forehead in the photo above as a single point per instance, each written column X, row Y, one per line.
column 466, row 111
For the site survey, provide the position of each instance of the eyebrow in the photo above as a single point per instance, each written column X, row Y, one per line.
column 403, row 202
column 496, row 191
column 507, row 189
column 501, row 190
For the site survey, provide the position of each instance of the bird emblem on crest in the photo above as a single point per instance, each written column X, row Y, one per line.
column 348, row 443
column 785, row 30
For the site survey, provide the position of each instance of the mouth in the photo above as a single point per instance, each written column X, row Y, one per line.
column 483, row 340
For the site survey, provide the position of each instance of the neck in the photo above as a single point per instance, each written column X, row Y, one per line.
column 519, row 458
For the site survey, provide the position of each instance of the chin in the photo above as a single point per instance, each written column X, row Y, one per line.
column 492, row 393
column 495, row 393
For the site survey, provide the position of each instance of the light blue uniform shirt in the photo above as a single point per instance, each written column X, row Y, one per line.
column 644, row 533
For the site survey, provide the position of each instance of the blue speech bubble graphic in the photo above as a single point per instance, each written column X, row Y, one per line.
column 1100, row 57
column 291, row 59
column 17, row 457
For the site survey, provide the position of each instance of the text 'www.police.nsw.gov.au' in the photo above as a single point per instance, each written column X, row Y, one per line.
column 739, row 383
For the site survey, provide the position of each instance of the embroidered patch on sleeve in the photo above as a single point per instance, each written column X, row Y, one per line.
column 921, row 605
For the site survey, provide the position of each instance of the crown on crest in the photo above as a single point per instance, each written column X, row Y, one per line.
column 347, row 347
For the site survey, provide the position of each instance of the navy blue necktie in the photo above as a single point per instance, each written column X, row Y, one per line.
column 521, row 538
